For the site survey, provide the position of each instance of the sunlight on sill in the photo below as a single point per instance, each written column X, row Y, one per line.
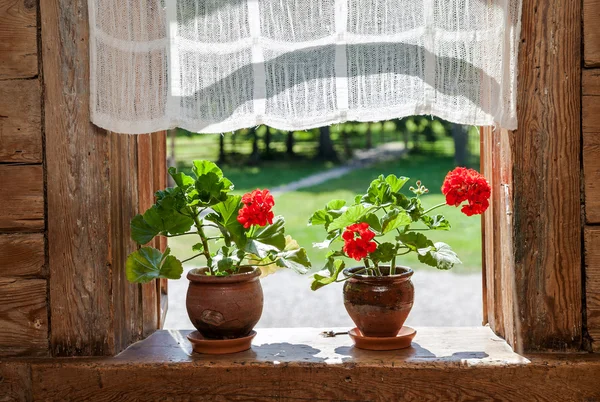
column 447, row 347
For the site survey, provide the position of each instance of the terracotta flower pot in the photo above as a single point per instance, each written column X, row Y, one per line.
column 224, row 307
column 379, row 305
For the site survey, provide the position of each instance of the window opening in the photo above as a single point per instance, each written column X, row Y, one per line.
column 306, row 169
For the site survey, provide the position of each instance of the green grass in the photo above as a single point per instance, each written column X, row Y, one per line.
column 297, row 206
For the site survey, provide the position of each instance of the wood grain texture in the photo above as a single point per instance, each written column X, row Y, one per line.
column 20, row 121
column 299, row 364
column 22, row 206
column 78, row 180
column 592, row 284
column 159, row 160
column 546, row 179
column 590, row 113
column 498, row 255
column 145, row 172
column 126, row 297
column 23, row 317
column 15, row 385
column 591, row 175
column 18, row 39
column 590, row 84
column 22, row 255
column 591, row 33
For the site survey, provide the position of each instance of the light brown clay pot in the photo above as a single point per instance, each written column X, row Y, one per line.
column 379, row 305
column 224, row 307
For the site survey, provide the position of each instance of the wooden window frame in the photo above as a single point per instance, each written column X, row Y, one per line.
column 95, row 183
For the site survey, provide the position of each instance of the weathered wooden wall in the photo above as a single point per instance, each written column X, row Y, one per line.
column 23, row 269
column 533, row 264
column 590, row 102
column 68, row 191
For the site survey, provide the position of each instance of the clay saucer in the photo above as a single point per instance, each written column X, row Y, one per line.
column 201, row 344
column 400, row 341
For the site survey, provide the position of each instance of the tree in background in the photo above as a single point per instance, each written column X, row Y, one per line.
column 326, row 151
column 460, row 134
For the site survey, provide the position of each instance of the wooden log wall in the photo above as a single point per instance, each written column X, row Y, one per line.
column 590, row 102
column 533, row 242
column 23, row 268
column 68, row 191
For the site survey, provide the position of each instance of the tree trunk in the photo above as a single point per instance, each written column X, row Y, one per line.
column 267, row 141
column 221, row 148
column 326, row 151
column 289, row 143
column 460, row 134
column 369, row 136
column 346, row 143
column 255, row 155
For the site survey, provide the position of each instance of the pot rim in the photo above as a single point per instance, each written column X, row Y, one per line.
column 404, row 275
column 194, row 275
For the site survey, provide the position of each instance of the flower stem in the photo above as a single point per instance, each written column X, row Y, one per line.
column 205, row 250
column 191, row 258
column 393, row 266
column 434, row 207
column 180, row 234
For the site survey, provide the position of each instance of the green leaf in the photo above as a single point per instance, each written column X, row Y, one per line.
column 333, row 268
column 336, row 207
column 142, row 232
column 379, row 192
column 182, row 180
column 383, row 253
column 373, row 221
column 198, row 247
column 351, row 215
column 440, row 256
column 437, row 222
column 414, row 240
column 148, row 263
column 211, row 189
column 394, row 219
column 225, row 217
column 297, row 260
column 273, row 234
column 396, row 183
column 267, row 239
column 320, row 217
column 167, row 220
column 202, row 167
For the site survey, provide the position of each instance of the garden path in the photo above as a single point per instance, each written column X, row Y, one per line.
column 361, row 159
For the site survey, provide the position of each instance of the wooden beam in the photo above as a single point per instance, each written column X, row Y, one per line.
column 20, row 121
column 299, row 364
column 16, row 381
column 22, row 206
column 537, row 273
column 590, row 84
column 18, row 39
column 591, row 113
column 79, row 192
column 592, row 284
column 591, row 33
column 22, row 255
column 23, row 317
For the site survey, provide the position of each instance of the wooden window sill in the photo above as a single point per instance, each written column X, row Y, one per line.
column 300, row 364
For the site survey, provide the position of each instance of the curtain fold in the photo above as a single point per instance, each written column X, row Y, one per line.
column 213, row 66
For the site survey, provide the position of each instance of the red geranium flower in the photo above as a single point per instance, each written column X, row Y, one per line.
column 358, row 247
column 464, row 184
column 256, row 209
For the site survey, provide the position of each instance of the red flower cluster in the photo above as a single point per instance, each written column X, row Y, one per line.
column 256, row 209
column 464, row 184
column 358, row 248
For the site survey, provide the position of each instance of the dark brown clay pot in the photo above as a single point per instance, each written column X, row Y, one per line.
column 379, row 305
column 224, row 307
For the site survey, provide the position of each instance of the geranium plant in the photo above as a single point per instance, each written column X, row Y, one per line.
column 384, row 224
column 242, row 230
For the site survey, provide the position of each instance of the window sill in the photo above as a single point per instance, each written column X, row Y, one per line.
column 442, row 364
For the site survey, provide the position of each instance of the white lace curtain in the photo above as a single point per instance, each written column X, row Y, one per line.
column 214, row 66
